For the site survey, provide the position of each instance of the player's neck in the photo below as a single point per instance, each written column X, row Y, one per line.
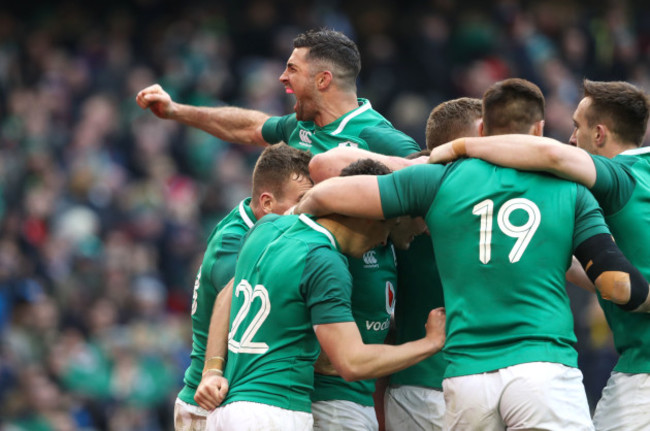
column 349, row 233
column 258, row 212
column 336, row 225
column 615, row 148
column 334, row 106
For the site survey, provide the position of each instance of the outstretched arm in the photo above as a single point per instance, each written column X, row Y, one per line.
column 354, row 196
column 213, row 387
column 525, row 152
column 354, row 360
column 231, row 124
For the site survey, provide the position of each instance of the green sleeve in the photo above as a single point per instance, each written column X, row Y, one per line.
column 327, row 286
column 410, row 191
column 277, row 129
column 614, row 182
column 223, row 266
column 589, row 217
column 389, row 141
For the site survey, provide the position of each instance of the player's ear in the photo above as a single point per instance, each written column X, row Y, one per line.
column 481, row 129
column 538, row 128
column 323, row 79
column 600, row 135
column 267, row 200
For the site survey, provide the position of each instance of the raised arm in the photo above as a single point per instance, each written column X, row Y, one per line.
column 354, row 360
column 331, row 163
column 354, row 196
column 213, row 387
column 525, row 152
column 231, row 124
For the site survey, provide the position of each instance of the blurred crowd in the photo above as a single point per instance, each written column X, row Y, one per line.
column 105, row 209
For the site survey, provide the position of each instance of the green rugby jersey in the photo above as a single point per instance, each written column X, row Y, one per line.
column 289, row 277
column 420, row 291
column 503, row 240
column 362, row 127
column 623, row 190
column 216, row 270
column 374, row 279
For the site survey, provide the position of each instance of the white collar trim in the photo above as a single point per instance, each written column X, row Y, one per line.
column 360, row 110
column 312, row 224
column 636, row 151
column 244, row 216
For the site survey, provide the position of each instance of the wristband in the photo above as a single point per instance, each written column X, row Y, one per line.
column 212, row 371
column 214, row 363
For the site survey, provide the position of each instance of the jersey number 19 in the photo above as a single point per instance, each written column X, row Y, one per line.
column 524, row 233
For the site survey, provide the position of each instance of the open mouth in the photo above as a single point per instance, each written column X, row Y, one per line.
column 288, row 90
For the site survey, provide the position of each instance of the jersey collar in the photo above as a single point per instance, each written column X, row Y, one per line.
column 636, row 151
column 312, row 224
column 339, row 124
column 246, row 213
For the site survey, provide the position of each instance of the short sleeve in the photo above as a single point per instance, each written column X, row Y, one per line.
column 614, row 182
column 589, row 219
column 327, row 287
column 278, row 129
column 223, row 267
column 389, row 141
column 410, row 191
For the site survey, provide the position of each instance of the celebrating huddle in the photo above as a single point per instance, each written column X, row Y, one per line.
column 291, row 313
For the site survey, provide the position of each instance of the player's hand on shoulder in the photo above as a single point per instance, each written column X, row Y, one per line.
column 156, row 99
column 211, row 391
column 435, row 327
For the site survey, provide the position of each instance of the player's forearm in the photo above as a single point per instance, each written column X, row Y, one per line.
column 331, row 163
column 517, row 151
column 576, row 275
column 615, row 278
column 356, row 196
column 231, row 124
column 378, row 360
column 217, row 344
column 534, row 153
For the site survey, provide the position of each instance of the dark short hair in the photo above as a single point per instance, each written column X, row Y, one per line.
column 452, row 119
column 276, row 165
column 335, row 48
column 619, row 105
column 365, row 167
column 512, row 106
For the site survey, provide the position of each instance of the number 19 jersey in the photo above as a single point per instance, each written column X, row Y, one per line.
column 289, row 277
column 503, row 240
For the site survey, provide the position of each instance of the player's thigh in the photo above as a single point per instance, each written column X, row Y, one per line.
column 544, row 396
column 249, row 416
column 188, row 417
column 341, row 415
column 471, row 402
column 624, row 404
column 411, row 408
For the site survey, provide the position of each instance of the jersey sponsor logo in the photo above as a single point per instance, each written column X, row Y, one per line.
column 390, row 297
column 377, row 325
column 348, row 144
column 305, row 137
column 370, row 260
